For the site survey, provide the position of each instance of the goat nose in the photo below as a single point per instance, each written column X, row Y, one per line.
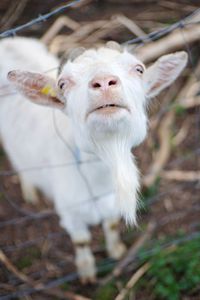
column 104, row 83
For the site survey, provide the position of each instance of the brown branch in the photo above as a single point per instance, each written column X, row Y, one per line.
column 131, row 254
column 177, row 6
column 131, row 25
column 133, row 280
column 190, row 102
column 103, row 31
column 182, row 133
column 12, row 14
column 181, row 175
column 13, row 269
column 162, row 155
column 61, row 22
column 172, row 42
column 38, row 286
column 82, row 3
column 63, row 42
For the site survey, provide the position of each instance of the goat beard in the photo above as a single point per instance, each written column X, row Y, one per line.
column 115, row 151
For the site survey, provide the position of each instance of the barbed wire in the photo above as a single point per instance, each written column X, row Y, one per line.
column 151, row 36
column 164, row 31
column 39, row 19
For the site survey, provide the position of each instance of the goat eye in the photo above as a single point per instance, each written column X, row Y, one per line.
column 62, row 84
column 139, row 69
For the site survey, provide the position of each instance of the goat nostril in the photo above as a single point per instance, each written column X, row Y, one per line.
column 96, row 85
column 104, row 83
column 112, row 82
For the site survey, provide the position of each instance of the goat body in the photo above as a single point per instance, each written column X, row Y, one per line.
column 79, row 155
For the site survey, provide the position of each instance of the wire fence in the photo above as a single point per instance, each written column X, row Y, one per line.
column 29, row 216
column 103, row 267
column 39, row 19
column 149, row 37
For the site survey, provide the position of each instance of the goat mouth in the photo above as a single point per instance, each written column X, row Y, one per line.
column 108, row 108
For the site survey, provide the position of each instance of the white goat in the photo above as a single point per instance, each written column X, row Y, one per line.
column 101, row 96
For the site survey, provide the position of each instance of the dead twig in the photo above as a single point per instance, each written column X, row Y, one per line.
column 103, row 31
column 12, row 14
column 131, row 25
column 133, row 280
column 177, row 6
column 82, row 3
column 172, row 42
column 190, row 102
column 61, row 22
column 162, row 155
column 166, row 100
column 177, row 216
column 186, row 103
column 63, row 42
column 13, row 269
column 182, row 134
column 181, row 175
column 38, row 286
column 131, row 253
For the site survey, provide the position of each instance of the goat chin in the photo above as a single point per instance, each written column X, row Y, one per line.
column 115, row 151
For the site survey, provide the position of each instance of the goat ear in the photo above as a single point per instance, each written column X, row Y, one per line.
column 163, row 72
column 39, row 88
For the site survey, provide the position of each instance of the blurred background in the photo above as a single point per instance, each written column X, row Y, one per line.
column 163, row 258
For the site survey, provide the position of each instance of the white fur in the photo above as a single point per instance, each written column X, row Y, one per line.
column 86, row 264
column 115, row 247
column 36, row 136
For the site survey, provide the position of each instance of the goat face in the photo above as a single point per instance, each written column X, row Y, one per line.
column 105, row 95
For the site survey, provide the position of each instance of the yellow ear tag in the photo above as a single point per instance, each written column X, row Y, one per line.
column 48, row 90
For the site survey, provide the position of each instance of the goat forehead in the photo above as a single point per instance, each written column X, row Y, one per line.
column 102, row 58
column 106, row 55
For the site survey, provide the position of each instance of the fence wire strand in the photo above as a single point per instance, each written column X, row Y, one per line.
column 39, row 19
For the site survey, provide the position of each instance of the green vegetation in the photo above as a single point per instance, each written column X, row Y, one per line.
column 106, row 292
column 1, row 196
column 24, row 262
column 152, row 190
column 28, row 259
column 180, row 110
column 65, row 286
column 2, row 154
column 174, row 271
column 147, row 194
